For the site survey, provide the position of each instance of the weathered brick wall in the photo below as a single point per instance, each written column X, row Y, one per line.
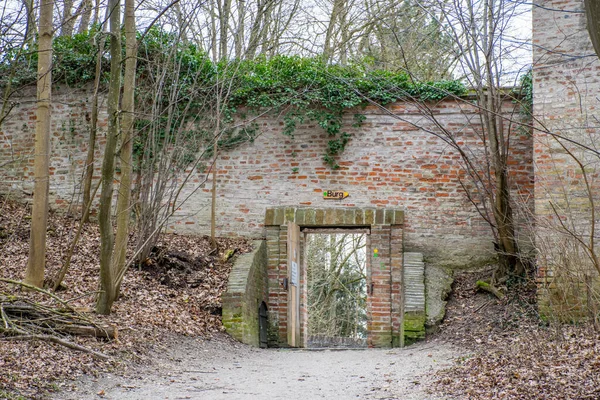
column 246, row 290
column 388, row 163
column 69, row 143
column 566, row 103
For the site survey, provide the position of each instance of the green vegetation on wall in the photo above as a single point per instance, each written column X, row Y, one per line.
column 300, row 89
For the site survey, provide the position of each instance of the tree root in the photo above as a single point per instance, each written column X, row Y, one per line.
column 482, row 285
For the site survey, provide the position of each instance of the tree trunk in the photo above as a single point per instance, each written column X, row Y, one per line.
column 107, row 276
column 89, row 161
column 239, row 35
column 225, row 10
column 68, row 22
column 213, row 26
column 508, row 249
column 182, row 22
column 213, row 206
column 30, row 29
column 85, row 9
column 253, row 40
column 96, row 16
column 34, row 274
column 592, row 12
column 124, row 199
column 336, row 11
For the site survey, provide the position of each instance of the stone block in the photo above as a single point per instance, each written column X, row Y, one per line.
column 379, row 216
column 320, row 216
column 359, row 217
column 389, row 217
column 399, row 217
column 339, row 216
column 300, row 216
column 369, row 216
column 310, row 216
column 269, row 217
column 330, row 216
column 290, row 214
column 278, row 218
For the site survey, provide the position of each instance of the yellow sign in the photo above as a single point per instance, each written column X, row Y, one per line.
column 335, row 195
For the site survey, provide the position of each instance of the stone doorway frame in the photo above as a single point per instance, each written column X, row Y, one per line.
column 385, row 305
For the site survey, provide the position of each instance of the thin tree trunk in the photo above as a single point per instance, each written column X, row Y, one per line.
column 225, row 10
column 239, row 35
column 68, row 22
column 34, row 274
column 96, row 17
column 182, row 22
column 255, row 31
column 85, row 9
column 336, row 11
column 213, row 38
column 107, row 278
column 124, row 199
column 213, row 206
column 592, row 12
column 266, row 25
column 30, row 29
column 89, row 161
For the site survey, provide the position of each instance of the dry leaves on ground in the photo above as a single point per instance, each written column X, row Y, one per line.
column 513, row 354
column 178, row 290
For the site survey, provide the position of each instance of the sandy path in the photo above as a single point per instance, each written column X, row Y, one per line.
column 222, row 369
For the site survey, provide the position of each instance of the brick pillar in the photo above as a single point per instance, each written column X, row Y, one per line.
column 379, row 306
column 397, row 296
column 274, row 283
column 282, row 301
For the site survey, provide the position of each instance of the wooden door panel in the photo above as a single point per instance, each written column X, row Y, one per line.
column 293, row 247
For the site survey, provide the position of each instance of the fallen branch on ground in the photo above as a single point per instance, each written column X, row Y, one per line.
column 24, row 319
column 482, row 285
column 57, row 340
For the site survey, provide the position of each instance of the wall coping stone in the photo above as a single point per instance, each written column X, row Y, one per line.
column 333, row 216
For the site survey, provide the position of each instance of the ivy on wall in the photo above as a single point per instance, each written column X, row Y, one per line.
column 300, row 89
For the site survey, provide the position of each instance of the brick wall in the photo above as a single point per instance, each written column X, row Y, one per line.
column 388, row 163
column 69, row 143
column 246, row 290
column 566, row 103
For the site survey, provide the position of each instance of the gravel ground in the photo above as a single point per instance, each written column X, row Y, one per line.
column 220, row 368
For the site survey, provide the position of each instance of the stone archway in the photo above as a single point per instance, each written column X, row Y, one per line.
column 384, row 265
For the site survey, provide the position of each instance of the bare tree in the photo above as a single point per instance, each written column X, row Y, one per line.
column 30, row 27
column 107, row 274
column 67, row 22
column 126, row 151
column 34, row 274
column 478, row 29
column 592, row 12
column 13, row 48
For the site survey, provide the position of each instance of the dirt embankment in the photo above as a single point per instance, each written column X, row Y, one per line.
column 176, row 291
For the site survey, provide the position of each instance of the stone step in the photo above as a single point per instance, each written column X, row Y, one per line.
column 414, row 282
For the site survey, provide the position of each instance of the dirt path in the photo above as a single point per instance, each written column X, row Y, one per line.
column 222, row 369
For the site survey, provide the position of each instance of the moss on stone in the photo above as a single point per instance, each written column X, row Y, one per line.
column 414, row 327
